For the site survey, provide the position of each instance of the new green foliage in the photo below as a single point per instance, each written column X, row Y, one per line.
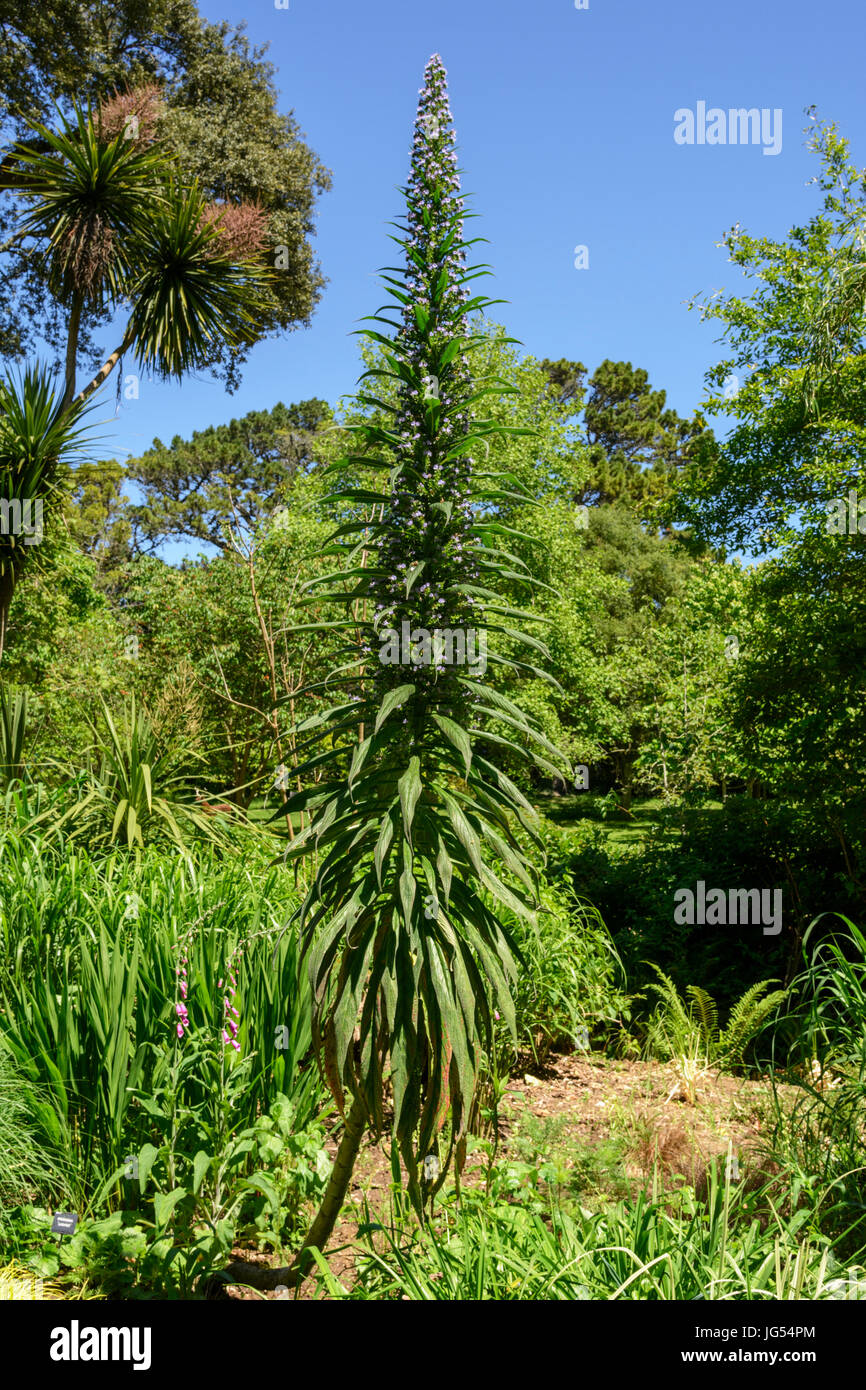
column 681, row 1026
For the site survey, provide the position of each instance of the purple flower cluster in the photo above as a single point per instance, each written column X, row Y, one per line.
column 180, row 1006
column 230, row 1024
column 426, row 532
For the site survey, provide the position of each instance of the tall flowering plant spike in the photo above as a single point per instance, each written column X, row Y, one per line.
column 418, row 834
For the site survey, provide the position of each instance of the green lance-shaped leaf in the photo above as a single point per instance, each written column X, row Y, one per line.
column 383, row 844
column 457, row 736
column 409, row 787
column 395, row 699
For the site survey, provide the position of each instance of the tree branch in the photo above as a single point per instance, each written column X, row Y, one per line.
column 108, row 366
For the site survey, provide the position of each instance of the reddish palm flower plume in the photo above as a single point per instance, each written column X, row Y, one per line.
column 134, row 111
column 240, row 227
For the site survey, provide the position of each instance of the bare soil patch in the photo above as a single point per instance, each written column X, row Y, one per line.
column 579, row 1104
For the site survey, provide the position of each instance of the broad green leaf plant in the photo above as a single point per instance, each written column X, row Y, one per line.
column 416, row 835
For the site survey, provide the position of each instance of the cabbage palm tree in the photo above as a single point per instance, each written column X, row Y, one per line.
column 136, row 790
column 416, row 834
column 38, row 439
column 13, row 736
column 124, row 237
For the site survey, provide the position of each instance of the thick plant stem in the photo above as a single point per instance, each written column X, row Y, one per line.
column 259, row 1277
column 341, row 1175
column 72, row 349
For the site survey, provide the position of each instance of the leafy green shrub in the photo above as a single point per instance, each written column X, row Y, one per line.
column 570, row 979
column 250, row 1184
column 748, row 843
column 253, row 1188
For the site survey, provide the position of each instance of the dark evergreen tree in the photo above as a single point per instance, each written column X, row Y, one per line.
column 238, row 471
column 634, row 446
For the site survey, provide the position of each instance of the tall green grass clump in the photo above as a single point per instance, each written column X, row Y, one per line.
column 820, row 1138
column 30, row 1170
column 93, row 955
column 657, row 1248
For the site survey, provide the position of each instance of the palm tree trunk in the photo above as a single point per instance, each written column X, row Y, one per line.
column 7, row 589
column 259, row 1277
column 107, row 368
column 72, row 349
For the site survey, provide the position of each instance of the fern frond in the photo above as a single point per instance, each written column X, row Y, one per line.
column 671, row 1023
column 705, row 1009
column 747, row 1019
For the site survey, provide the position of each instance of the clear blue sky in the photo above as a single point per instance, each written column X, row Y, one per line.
column 565, row 121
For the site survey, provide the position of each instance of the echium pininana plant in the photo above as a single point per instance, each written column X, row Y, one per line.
column 417, row 833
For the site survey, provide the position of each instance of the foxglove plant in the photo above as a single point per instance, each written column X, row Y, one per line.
column 230, row 1024
column 414, row 829
column 180, row 1005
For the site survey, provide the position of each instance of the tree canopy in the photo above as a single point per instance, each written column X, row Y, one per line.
column 215, row 108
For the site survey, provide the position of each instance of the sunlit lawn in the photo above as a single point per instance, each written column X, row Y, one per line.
column 620, row 827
